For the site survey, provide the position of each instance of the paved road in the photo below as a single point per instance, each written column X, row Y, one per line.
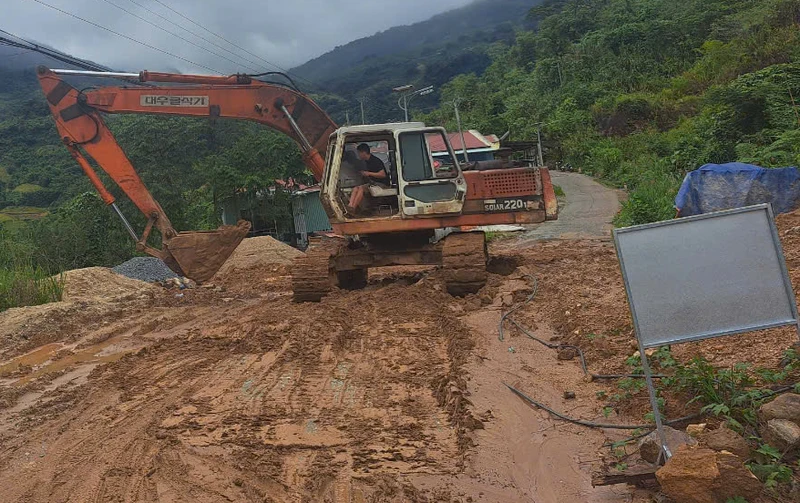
column 585, row 211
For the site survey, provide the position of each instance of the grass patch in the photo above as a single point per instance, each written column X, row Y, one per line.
column 558, row 190
column 22, row 213
column 28, row 286
column 27, row 188
column 497, row 235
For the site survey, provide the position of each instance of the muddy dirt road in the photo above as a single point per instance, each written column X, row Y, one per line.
column 134, row 393
column 234, row 393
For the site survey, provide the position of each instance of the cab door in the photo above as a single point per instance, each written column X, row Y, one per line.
column 427, row 187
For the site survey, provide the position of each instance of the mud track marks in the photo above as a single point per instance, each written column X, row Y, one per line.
column 255, row 401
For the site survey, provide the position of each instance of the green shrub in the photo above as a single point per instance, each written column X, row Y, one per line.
column 28, row 286
column 650, row 201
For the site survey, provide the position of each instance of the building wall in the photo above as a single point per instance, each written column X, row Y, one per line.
column 230, row 211
column 309, row 216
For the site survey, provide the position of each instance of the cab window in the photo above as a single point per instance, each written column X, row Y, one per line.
column 415, row 151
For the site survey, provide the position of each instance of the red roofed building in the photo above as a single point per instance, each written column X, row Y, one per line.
column 479, row 147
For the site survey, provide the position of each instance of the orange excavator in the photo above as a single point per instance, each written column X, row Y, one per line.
column 397, row 222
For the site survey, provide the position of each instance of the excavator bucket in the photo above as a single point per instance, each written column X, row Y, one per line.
column 200, row 254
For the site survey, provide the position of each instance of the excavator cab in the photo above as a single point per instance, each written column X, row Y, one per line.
column 417, row 185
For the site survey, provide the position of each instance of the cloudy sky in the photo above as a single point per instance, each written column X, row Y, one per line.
column 282, row 32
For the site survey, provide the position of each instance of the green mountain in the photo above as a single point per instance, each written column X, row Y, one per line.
column 639, row 92
column 430, row 52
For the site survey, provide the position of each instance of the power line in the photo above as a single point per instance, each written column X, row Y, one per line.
column 173, row 33
column 193, row 33
column 52, row 53
column 126, row 37
column 233, row 44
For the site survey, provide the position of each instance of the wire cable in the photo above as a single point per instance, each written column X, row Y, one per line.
column 151, row 11
column 57, row 55
column 151, row 23
column 583, row 422
column 593, row 424
column 579, row 351
column 236, row 46
column 291, row 82
column 144, row 44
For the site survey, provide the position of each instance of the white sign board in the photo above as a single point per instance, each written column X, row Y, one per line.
column 705, row 276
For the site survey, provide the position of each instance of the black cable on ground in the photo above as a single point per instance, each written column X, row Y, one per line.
column 550, row 345
column 593, row 424
column 582, row 422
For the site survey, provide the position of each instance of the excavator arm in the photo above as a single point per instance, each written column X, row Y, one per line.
column 197, row 255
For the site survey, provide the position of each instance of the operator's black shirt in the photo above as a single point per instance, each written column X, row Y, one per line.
column 375, row 165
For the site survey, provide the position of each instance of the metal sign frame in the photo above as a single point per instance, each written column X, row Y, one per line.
column 789, row 290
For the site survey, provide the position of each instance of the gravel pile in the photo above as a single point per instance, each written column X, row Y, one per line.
column 148, row 269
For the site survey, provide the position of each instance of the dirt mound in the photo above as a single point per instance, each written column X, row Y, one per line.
column 258, row 252
column 103, row 284
column 92, row 295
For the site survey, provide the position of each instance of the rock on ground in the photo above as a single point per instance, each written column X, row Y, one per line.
column 725, row 439
column 782, row 434
column 700, row 475
column 650, row 446
column 786, row 406
column 694, row 430
column 150, row 269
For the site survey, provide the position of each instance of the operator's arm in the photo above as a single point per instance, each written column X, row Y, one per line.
column 375, row 174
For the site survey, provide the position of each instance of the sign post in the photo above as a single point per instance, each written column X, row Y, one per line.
column 704, row 276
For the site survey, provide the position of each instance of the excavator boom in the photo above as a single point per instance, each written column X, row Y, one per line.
column 197, row 255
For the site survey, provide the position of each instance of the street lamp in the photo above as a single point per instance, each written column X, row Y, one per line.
column 408, row 93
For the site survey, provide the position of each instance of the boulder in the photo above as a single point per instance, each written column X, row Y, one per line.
column 567, row 353
column 650, row 446
column 786, row 406
column 782, row 434
column 694, row 430
column 699, row 475
column 724, row 439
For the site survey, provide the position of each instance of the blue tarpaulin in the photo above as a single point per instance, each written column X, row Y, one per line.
column 716, row 187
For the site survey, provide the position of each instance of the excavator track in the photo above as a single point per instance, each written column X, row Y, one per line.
column 464, row 258
column 313, row 274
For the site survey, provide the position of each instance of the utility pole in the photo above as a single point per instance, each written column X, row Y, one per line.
column 539, row 143
column 460, row 131
column 347, row 117
column 363, row 116
column 404, row 98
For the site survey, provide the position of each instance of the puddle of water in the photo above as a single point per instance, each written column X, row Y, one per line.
column 40, row 358
column 36, row 357
column 91, row 354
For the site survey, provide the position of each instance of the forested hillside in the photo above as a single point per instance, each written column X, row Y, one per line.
column 639, row 92
column 636, row 92
column 427, row 53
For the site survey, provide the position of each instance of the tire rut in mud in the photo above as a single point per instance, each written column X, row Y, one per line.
column 261, row 399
